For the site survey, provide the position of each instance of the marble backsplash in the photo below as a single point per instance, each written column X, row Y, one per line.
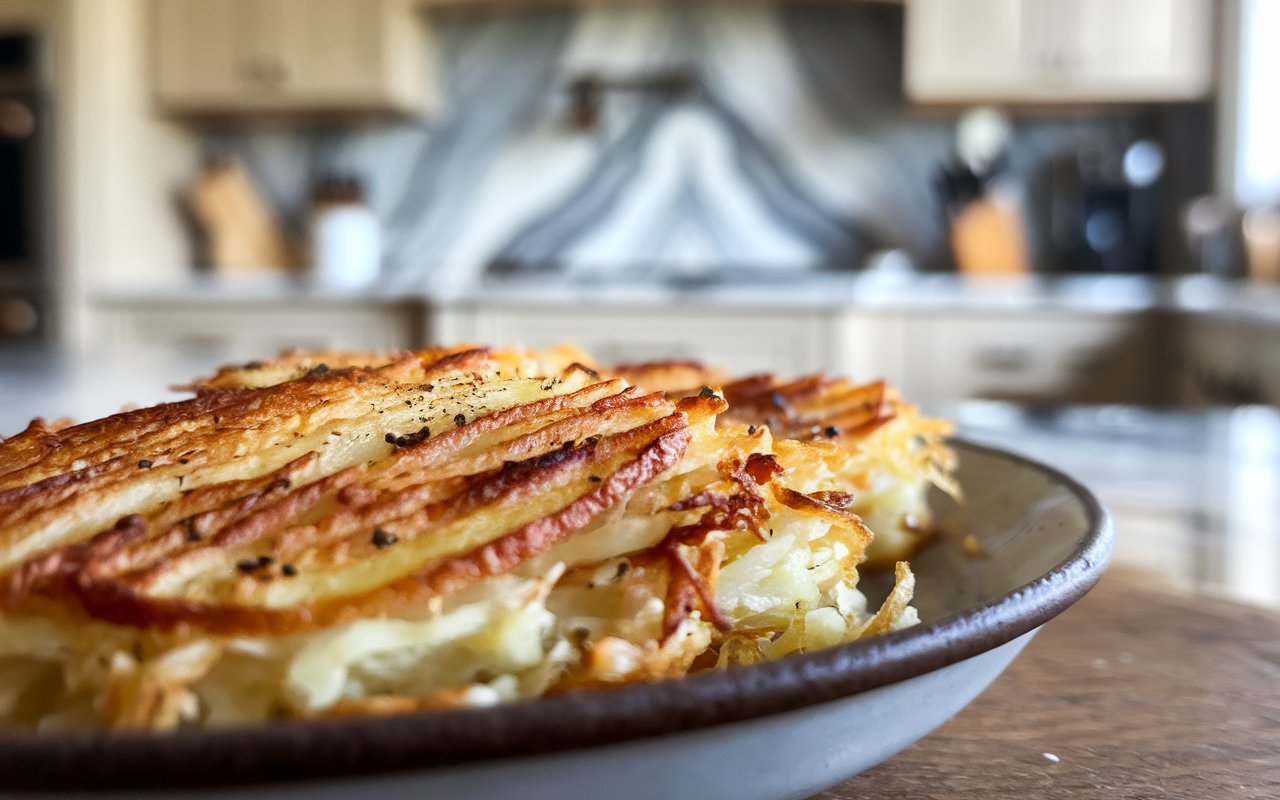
column 794, row 151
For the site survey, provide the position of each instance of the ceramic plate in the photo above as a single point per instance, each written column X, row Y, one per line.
column 784, row 729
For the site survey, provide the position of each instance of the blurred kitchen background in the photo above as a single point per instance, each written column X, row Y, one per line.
column 1056, row 221
column 1051, row 201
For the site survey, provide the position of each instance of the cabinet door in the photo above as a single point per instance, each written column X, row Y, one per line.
column 959, row 50
column 1042, row 359
column 213, row 333
column 329, row 49
column 292, row 56
column 1139, row 48
column 743, row 342
column 1058, row 50
column 1210, row 362
column 199, row 52
column 1266, row 344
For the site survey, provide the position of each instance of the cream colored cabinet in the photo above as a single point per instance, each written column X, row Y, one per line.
column 742, row 340
column 198, row 52
column 953, row 48
column 1039, row 51
column 291, row 56
column 1225, row 360
column 328, row 46
column 1138, row 48
column 1211, row 367
column 1052, row 358
column 211, row 332
column 1265, row 340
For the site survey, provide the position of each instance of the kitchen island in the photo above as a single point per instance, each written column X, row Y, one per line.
column 750, row 289
column 1160, row 683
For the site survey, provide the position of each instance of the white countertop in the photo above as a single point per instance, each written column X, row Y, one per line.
column 870, row 291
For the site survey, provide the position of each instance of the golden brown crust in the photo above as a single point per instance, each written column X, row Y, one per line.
column 815, row 407
column 674, row 377
column 621, row 439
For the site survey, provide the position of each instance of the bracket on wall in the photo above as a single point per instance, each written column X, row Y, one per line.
column 587, row 91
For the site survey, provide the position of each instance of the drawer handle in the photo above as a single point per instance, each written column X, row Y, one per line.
column 1089, row 361
column 1003, row 359
column 1226, row 389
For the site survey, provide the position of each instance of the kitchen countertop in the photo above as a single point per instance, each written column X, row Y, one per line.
column 205, row 288
column 830, row 290
column 1157, row 684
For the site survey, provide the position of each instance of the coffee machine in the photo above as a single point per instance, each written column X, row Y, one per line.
column 1098, row 209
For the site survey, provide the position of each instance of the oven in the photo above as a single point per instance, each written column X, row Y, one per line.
column 25, row 282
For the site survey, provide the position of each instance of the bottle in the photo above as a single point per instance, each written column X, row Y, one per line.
column 346, row 238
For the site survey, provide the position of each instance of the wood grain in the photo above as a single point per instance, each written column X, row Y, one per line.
column 1140, row 693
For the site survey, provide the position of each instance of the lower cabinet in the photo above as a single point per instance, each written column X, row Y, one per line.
column 1224, row 360
column 252, row 330
column 1047, row 358
column 744, row 341
column 934, row 356
column 931, row 356
column 1266, row 355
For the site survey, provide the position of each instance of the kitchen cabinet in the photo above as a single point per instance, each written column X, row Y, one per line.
column 1044, row 51
column 291, row 56
column 1265, row 342
column 1224, row 360
column 252, row 330
column 1049, row 358
column 938, row 356
column 197, row 51
column 742, row 340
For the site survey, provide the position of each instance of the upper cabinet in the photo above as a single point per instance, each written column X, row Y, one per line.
column 1044, row 51
column 291, row 56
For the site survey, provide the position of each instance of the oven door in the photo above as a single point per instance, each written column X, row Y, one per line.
column 21, row 200
column 24, row 284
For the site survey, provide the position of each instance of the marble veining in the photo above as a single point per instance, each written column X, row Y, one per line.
column 795, row 151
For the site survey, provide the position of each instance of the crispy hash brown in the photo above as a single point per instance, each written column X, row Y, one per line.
column 354, row 533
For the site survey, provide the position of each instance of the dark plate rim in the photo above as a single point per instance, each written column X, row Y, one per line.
column 291, row 751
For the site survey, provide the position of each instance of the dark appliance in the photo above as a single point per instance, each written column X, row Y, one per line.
column 24, row 258
column 1101, row 210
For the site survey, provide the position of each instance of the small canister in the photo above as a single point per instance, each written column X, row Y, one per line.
column 346, row 237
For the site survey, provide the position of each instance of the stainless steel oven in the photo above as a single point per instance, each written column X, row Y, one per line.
column 25, row 280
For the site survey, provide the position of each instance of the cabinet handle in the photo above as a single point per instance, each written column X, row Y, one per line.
column 254, row 71
column 1217, row 388
column 1003, row 359
column 279, row 73
column 1056, row 64
column 268, row 73
column 1088, row 360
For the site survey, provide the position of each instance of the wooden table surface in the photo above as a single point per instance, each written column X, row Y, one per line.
column 1136, row 692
